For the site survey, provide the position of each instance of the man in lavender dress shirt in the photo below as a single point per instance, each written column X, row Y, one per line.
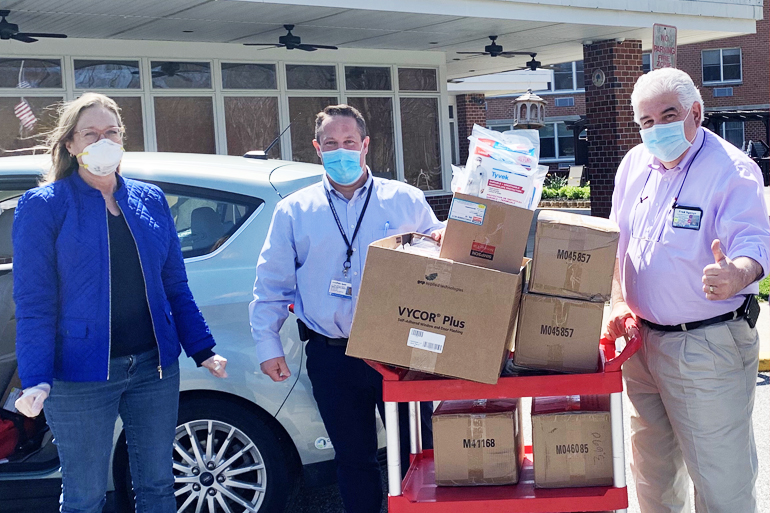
column 314, row 257
column 694, row 242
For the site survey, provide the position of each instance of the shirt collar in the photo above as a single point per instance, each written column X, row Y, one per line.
column 361, row 190
column 688, row 156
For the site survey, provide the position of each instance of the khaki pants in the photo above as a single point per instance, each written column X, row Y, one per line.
column 692, row 396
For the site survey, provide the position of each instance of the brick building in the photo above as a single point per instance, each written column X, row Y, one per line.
column 732, row 75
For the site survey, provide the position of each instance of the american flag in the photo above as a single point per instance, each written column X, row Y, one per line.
column 24, row 112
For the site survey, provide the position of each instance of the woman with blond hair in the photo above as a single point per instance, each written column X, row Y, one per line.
column 102, row 307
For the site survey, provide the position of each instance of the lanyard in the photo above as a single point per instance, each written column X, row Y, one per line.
column 349, row 243
column 674, row 203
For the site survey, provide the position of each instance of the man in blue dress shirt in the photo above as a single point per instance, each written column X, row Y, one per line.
column 314, row 257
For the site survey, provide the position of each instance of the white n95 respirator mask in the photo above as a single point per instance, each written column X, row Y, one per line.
column 102, row 157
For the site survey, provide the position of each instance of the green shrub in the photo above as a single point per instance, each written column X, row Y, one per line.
column 764, row 288
column 567, row 192
column 554, row 181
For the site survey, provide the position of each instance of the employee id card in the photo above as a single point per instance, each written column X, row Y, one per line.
column 687, row 217
column 342, row 289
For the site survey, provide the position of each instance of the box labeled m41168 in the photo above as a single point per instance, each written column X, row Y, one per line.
column 478, row 442
column 572, row 441
column 558, row 334
column 574, row 255
column 434, row 315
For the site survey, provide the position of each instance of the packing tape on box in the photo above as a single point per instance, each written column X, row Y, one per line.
column 422, row 360
column 560, row 316
column 576, row 463
column 476, row 433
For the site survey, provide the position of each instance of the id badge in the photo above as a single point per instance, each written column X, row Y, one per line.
column 341, row 289
column 687, row 217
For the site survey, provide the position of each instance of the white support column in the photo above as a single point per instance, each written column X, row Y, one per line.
column 413, row 423
column 618, row 448
column 393, row 449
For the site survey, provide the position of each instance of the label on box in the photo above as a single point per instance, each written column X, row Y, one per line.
column 467, row 211
column 481, row 250
column 421, row 339
column 10, row 402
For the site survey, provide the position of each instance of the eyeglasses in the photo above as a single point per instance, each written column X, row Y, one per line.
column 91, row 135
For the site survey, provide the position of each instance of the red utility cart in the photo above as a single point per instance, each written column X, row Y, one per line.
column 418, row 492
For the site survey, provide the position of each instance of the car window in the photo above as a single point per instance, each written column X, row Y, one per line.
column 8, row 201
column 205, row 219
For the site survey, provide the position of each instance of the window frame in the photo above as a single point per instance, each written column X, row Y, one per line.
column 576, row 88
column 722, row 67
column 148, row 94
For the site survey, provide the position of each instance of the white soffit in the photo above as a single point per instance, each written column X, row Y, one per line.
column 502, row 83
column 555, row 29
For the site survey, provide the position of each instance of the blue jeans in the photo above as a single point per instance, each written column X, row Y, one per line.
column 82, row 418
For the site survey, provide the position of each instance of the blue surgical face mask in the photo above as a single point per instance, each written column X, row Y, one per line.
column 343, row 166
column 667, row 142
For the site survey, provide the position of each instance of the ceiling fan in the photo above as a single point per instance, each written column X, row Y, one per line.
column 494, row 50
column 11, row 31
column 291, row 42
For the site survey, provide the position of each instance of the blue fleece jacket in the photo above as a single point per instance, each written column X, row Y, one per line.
column 62, row 282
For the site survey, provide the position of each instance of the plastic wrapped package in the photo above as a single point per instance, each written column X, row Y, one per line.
column 502, row 167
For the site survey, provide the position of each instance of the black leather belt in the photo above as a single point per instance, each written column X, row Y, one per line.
column 689, row 326
column 306, row 334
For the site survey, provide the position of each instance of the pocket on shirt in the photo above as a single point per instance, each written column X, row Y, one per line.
column 383, row 233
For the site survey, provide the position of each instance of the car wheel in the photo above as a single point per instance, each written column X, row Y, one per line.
column 226, row 459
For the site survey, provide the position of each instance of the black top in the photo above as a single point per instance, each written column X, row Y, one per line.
column 131, row 329
column 131, row 324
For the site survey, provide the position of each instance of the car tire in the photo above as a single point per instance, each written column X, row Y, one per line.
column 249, row 467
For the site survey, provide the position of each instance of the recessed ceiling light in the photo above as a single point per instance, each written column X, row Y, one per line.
column 471, row 70
column 455, row 59
column 187, row 31
column 433, row 43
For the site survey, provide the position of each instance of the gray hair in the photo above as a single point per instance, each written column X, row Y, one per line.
column 662, row 81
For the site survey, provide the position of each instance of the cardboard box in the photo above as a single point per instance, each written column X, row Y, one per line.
column 572, row 441
column 574, row 255
column 478, row 442
column 558, row 334
column 434, row 315
column 486, row 233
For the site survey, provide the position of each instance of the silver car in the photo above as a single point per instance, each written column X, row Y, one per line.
column 242, row 443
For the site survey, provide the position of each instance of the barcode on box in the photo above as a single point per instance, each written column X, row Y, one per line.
column 421, row 339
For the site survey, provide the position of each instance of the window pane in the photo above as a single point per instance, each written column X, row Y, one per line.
column 710, row 57
column 204, row 224
column 185, row 124
column 131, row 114
column 646, row 64
column 422, row 146
column 181, row 75
column 251, row 123
column 580, row 75
column 547, row 144
column 378, row 113
column 566, row 143
column 733, row 133
column 367, row 78
column 106, row 74
column 453, row 142
column 33, row 73
column 731, row 72
column 302, row 112
column 417, row 79
column 248, row 76
column 711, row 73
column 731, row 56
column 562, row 76
column 311, row 77
column 13, row 135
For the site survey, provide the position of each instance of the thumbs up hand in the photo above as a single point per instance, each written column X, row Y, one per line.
column 722, row 279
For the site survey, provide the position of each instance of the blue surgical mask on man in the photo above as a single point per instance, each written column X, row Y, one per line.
column 667, row 142
column 343, row 166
